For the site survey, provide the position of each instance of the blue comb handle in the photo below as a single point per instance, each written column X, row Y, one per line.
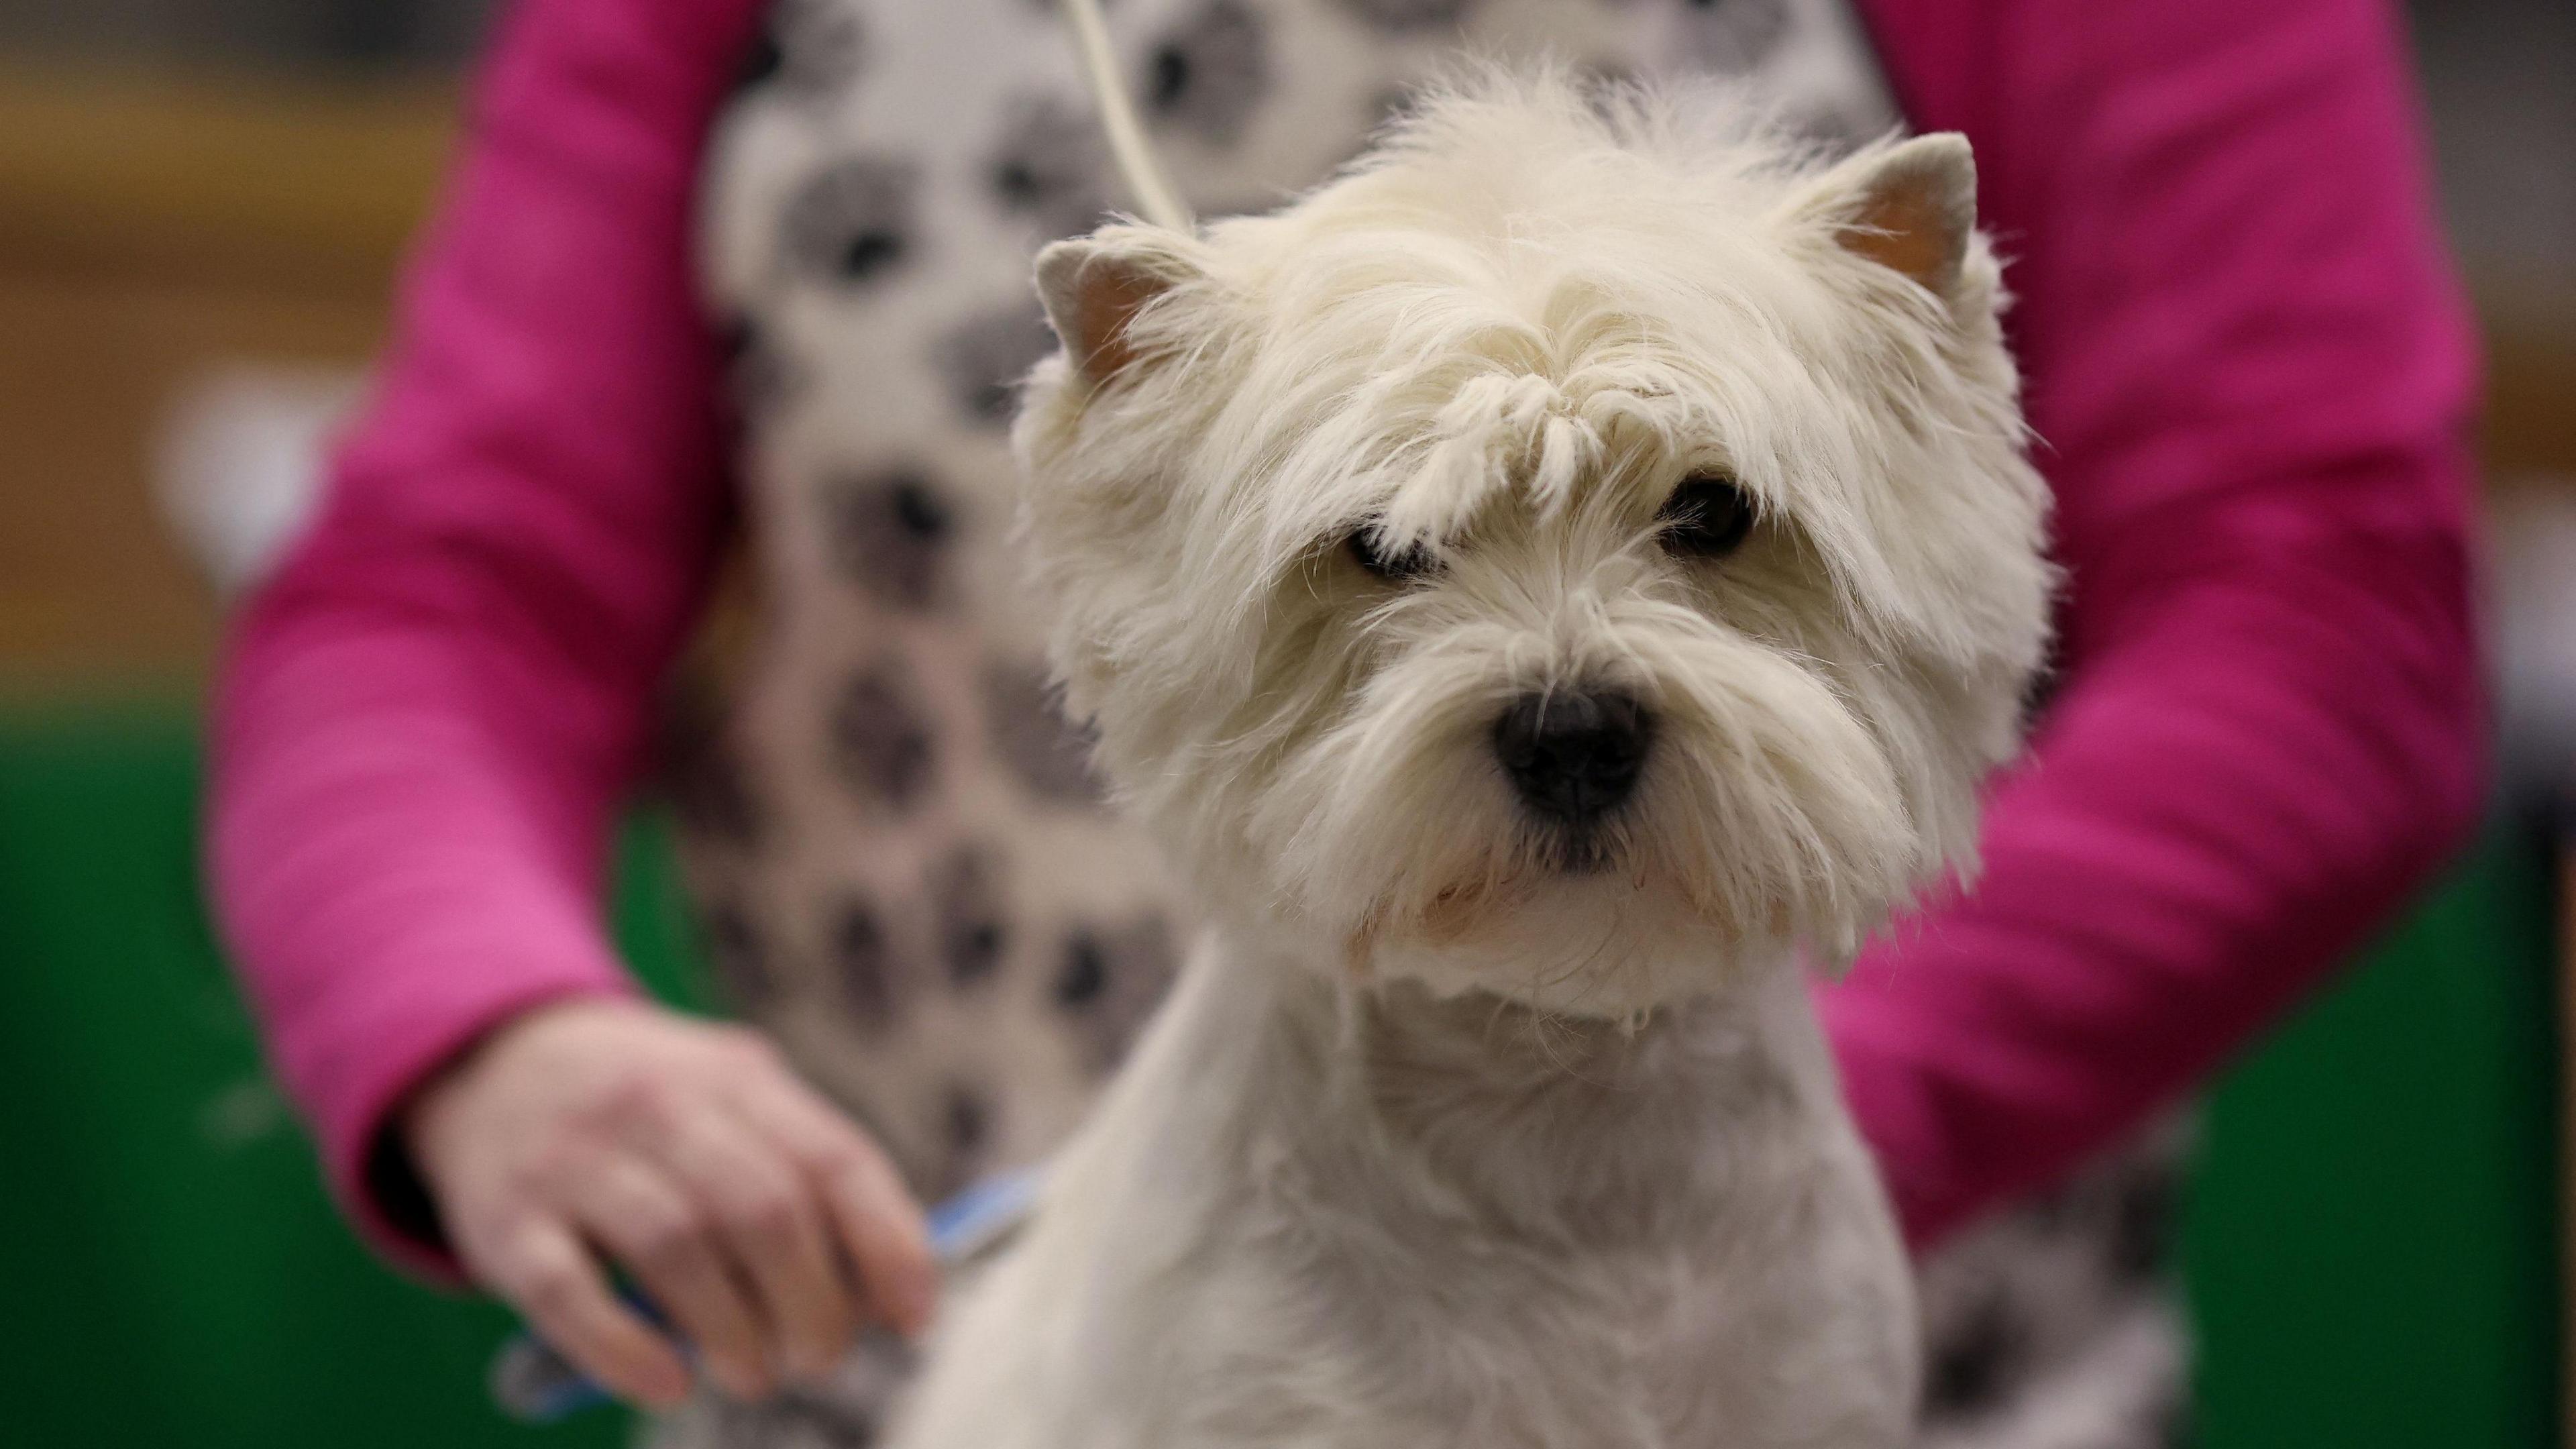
column 534, row 1384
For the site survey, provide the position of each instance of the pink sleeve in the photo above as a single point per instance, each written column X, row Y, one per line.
column 2251, row 377
column 428, row 715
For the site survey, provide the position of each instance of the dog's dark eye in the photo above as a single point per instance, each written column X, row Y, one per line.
column 1706, row 517
column 1401, row 565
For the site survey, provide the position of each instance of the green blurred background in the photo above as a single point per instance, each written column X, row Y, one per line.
column 201, row 202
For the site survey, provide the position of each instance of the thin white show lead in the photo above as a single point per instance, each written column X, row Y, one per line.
column 1156, row 200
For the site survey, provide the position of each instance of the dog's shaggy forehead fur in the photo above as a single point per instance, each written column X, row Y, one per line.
column 1505, row 337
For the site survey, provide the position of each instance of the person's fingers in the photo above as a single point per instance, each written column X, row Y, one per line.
column 874, row 1217
column 773, row 1222
column 669, row 1243
column 541, row 1268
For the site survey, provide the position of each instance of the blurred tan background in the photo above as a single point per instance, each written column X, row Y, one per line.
column 186, row 186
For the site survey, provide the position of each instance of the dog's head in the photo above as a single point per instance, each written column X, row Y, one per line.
column 1582, row 544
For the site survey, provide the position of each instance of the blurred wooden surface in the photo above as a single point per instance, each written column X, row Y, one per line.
column 153, row 226
column 2530, row 327
column 261, row 182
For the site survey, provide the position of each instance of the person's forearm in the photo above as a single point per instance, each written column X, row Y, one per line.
column 2250, row 378
column 2260, row 769
column 392, row 880
column 428, row 715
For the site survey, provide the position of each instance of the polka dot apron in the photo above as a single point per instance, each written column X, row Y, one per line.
column 903, row 868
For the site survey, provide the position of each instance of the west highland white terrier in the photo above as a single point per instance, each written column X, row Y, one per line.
column 1546, row 590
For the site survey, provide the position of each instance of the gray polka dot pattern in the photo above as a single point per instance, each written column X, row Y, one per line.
column 973, row 931
column 890, row 534
column 1209, row 74
column 735, row 948
column 1048, row 754
column 758, row 375
column 1051, row 166
column 881, row 742
column 1108, row 979
column 986, row 356
column 1736, row 36
column 2051, row 1326
column 966, row 1126
column 806, row 49
column 1973, row 1366
column 1403, row 15
column 851, row 223
column 862, row 964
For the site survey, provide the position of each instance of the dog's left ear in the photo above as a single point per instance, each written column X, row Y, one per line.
column 1094, row 288
column 1911, row 207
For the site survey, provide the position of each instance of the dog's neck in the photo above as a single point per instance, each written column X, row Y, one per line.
column 1527, row 1122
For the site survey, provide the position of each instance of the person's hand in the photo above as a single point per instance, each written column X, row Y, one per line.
column 590, row 1133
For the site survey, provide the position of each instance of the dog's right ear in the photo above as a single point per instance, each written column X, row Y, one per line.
column 1095, row 287
column 1910, row 207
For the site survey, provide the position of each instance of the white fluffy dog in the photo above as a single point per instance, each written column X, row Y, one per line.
column 1543, row 589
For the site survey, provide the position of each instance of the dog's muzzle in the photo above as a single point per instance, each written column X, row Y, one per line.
column 1573, row 754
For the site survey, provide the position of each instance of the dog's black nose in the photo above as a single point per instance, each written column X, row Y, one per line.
column 1573, row 754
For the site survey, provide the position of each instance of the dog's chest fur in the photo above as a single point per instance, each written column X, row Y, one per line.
column 1317, row 1218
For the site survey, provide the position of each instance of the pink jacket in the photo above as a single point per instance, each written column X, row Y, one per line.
column 2246, row 361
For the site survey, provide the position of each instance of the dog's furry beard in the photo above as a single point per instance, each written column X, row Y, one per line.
column 1497, row 346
